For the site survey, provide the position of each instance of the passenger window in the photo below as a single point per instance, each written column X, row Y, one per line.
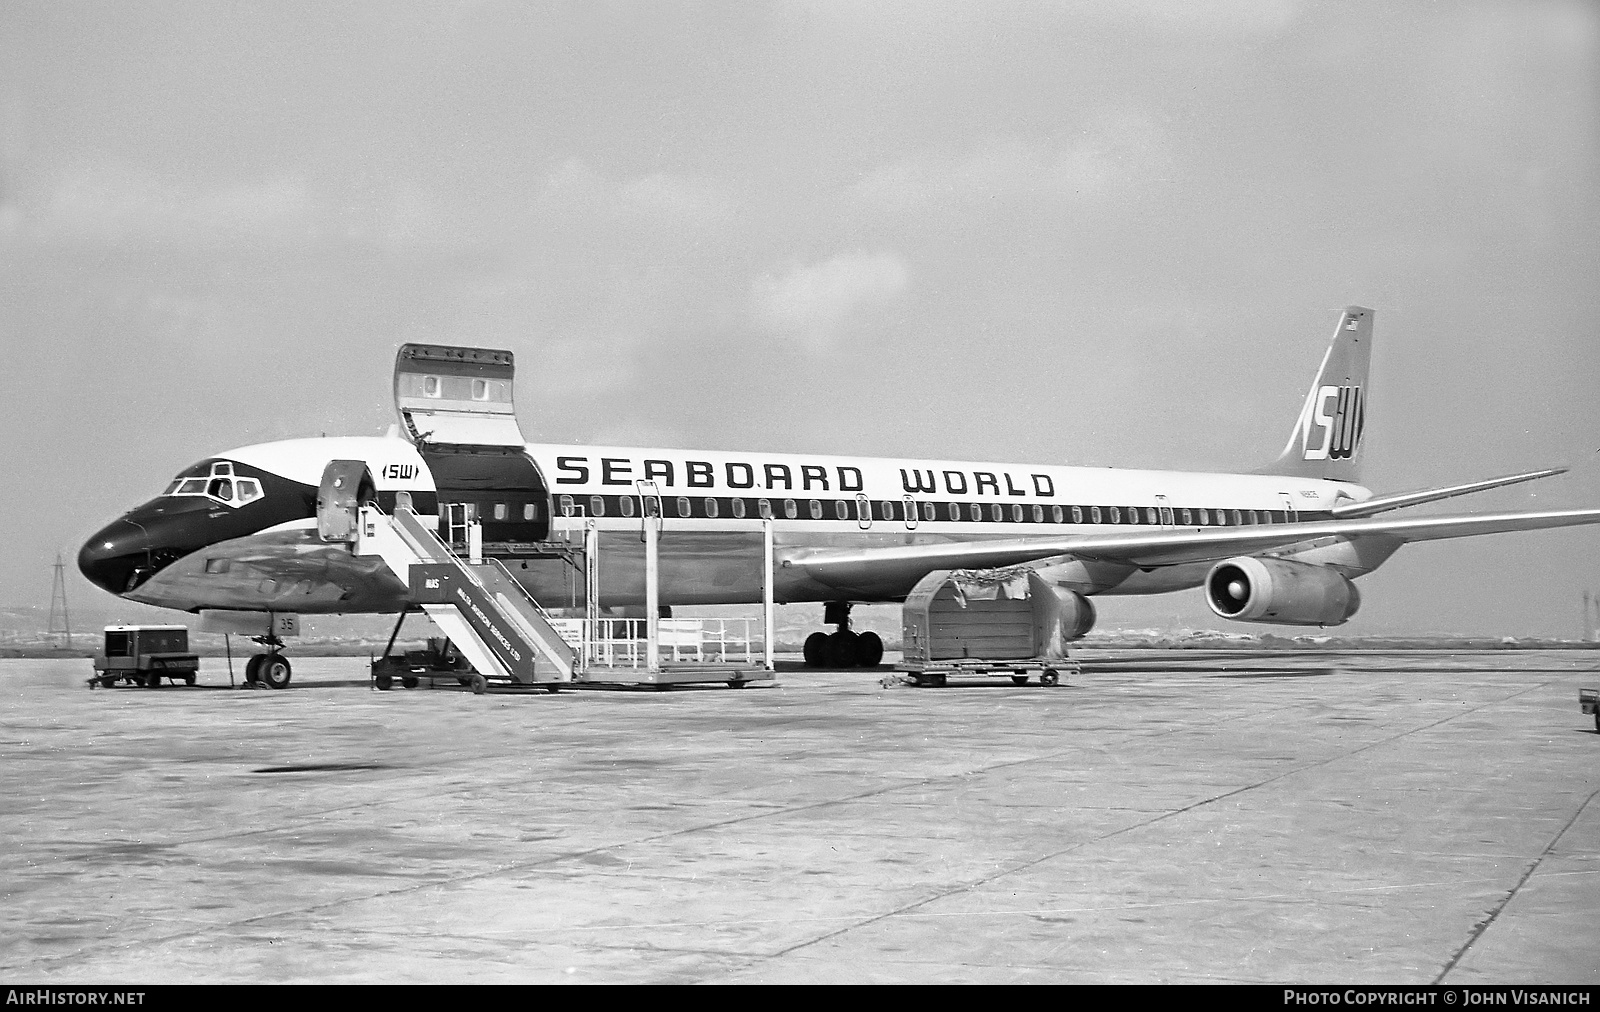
column 711, row 507
column 954, row 509
column 928, row 512
column 1116, row 515
column 764, row 507
column 1094, row 514
column 480, row 390
column 1038, row 514
column 684, row 509
column 1133, row 514
column 997, row 512
column 597, row 507
column 886, row 510
column 531, row 512
column 624, row 504
column 500, row 510
column 568, row 508
column 1188, row 518
column 1016, row 512
column 738, row 508
column 976, row 513
column 1056, row 515
column 841, row 509
column 1205, row 517
column 430, row 386
column 816, row 510
column 1237, row 519
column 790, row 510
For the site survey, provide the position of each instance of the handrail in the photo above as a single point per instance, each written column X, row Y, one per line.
column 520, row 588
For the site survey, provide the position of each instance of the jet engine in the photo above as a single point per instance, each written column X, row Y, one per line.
column 1059, row 616
column 1285, row 593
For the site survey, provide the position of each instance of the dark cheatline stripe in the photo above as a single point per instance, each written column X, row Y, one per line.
column 928, row 511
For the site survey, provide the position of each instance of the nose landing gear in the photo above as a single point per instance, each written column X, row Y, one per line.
column 844, row 648
column 271, row 669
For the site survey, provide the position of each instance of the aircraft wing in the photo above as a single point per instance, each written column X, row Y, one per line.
column 1154, row 546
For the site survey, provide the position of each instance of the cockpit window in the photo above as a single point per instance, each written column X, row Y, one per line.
column 215, row 480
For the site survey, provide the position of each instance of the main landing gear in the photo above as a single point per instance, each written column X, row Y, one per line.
column 271, row 669
column 843, row 648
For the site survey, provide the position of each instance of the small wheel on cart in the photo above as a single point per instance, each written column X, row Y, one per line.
column 737, row 683
column 383, row 682
column 1049, row 676
column 152, row 681
column 108, row 681
column 188, row 679
column 916, row 678
column 409, row 681
column 1019, row 679
column 479, row 684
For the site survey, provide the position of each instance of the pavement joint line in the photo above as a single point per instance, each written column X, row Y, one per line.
column 1482, row 926
column 1023, row 866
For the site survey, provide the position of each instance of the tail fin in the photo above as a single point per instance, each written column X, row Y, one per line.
column 1326, row 441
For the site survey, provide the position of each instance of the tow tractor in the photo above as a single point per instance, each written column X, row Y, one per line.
column 144, row 655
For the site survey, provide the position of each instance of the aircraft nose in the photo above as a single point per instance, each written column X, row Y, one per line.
column 110, row 558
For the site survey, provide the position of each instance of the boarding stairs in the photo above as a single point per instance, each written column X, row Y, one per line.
column 490, row 618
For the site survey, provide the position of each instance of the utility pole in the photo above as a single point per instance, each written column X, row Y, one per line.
column 58, row 593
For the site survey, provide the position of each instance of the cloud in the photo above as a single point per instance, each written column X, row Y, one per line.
column 1114, row 154
column 118, row 205
column 816, row 304
column 659, row 201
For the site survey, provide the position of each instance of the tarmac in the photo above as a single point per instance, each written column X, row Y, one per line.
column 1163, row 816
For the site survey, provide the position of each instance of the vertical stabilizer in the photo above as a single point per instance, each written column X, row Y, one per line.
column 1326, row 441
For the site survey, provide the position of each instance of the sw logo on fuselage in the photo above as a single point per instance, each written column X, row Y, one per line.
column 1334, row 420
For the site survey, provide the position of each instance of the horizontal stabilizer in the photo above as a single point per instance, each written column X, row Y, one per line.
column 1382, row 503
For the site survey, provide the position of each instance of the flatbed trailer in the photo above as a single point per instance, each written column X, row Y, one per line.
column 144, row 655
column 934, row 674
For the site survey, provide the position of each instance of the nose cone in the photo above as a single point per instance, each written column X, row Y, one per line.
column 112, row 558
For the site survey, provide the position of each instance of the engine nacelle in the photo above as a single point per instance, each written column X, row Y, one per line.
column 1284, row 593
column 1059, row 616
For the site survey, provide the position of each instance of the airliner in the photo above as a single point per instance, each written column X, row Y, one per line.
column 238, row 532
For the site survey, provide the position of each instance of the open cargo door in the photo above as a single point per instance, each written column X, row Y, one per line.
column 456, row 396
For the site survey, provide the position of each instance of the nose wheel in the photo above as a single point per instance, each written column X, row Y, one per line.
column 271, row 669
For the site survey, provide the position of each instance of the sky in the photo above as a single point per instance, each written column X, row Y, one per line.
column 1104, row 233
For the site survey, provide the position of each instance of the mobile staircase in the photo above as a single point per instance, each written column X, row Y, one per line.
column 497, row 626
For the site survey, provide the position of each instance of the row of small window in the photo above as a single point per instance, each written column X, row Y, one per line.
column 220, row 484
column 907, row 510
column 502, row 511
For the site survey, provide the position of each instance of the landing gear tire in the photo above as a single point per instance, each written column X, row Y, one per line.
column 843, row 649
column 1049, row 677
column 252, row 669
column 383, row 682
column 479, row 684
column 869, row 650
column 816, row 650
column 1019, row 679
column 275, row 671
